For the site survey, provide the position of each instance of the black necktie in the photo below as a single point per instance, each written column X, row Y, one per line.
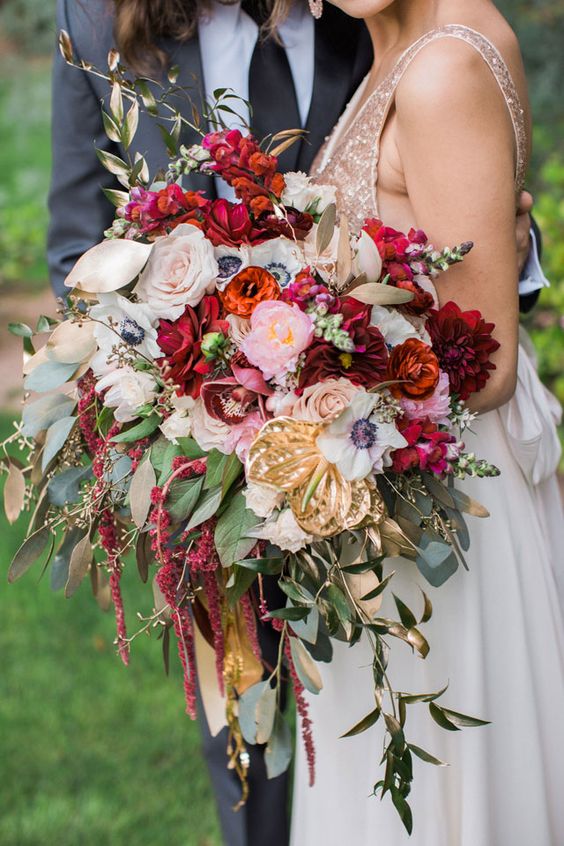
column 271, row 89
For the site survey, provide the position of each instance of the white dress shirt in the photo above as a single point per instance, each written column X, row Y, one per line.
column 227, row 41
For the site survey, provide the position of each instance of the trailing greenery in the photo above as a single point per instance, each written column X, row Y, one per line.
column 92, row 752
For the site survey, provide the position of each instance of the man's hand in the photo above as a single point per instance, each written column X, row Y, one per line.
column 523, row 229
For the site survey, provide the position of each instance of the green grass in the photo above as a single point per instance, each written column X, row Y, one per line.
column 91, row 752
column 25, row 155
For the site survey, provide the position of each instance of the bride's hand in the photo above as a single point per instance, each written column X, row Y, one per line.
column 456, row 143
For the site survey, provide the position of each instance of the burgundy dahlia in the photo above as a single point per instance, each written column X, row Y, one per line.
column 181, row 343
column 463, row 343
column 366, row 366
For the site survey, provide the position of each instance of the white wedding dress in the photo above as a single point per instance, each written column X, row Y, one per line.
column 497, row 634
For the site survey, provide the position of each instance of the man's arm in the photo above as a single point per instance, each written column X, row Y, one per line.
column 79, row 211
column 529, row 250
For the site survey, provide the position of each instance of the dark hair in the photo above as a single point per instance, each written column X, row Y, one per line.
column 140, row 24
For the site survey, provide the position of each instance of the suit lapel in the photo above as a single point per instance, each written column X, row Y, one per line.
column 342, row 58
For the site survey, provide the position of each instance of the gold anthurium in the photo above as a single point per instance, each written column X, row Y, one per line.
column 285, row 456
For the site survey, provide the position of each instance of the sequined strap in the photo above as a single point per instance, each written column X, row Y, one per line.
column 499, row 69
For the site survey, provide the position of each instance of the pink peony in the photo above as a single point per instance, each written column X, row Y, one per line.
column 436, row 407
column 279, row 333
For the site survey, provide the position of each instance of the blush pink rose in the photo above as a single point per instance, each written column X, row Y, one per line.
column 279, row 333
column 323, row 402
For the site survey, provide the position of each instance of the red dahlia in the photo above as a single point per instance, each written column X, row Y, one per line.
column 365, row 366
column 463, row 343
column 181, row 343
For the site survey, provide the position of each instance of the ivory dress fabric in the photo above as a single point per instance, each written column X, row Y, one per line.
column 497, row 634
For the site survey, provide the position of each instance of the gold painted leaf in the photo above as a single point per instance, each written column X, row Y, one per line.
column 71, row 343
column 80, row 561
column 142, row 483
column 14, row 493
column 374, row 293
column 325, row 228
column 109, row 266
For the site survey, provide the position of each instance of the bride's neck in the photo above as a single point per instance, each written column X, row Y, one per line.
column 399, row 25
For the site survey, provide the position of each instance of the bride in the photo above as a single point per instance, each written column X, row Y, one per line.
column 438, row 137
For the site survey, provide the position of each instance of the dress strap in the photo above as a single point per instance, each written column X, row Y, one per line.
column 499, row 69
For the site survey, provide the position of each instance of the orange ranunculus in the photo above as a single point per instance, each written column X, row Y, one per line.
column 247, row 289
column 417, row 366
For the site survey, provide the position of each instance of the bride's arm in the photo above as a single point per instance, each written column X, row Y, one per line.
column 456, row 143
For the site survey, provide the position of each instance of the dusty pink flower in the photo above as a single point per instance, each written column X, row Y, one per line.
column 243, row 434
column 436, row 407
column 279, row 333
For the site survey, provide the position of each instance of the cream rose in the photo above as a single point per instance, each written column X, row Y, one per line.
column 282, row 530
column 301, row 192
column 208, row 432
column 324, row 401
column 262, row 500
column 181, row 269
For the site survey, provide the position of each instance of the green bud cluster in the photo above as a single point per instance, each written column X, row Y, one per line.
column 190, row 159
column 469, row 465
column 328, row 327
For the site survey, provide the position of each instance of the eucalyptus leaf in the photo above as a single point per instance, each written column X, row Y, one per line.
column 61, row 561
column 265, row 711
column 56, row 437
column 278, row 753
column 22, row 330
column 248, row 710
column 466, row 503
column 305, row 666
column 29, row 552
column 64, row 488
column 307, row 628
column 48, row 376
column 436, row 560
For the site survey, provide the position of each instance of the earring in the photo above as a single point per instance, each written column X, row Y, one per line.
column 316, row 8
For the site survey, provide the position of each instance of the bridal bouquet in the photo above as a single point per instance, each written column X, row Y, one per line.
column 246, row 391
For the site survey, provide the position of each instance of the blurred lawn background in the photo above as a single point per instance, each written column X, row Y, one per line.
column 91, row 753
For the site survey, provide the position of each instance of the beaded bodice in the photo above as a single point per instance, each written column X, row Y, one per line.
column 349, row 159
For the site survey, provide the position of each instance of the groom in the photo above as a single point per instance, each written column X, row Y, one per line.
column 305, row 83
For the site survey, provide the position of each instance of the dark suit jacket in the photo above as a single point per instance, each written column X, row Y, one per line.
column 79, row 211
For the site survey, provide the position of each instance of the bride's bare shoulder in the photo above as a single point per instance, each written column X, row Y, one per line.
column 450, row 68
